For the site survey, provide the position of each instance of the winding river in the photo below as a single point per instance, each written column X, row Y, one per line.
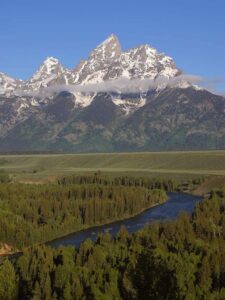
column 176, row 203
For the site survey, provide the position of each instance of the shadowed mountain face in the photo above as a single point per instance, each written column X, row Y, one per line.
column 174, row 119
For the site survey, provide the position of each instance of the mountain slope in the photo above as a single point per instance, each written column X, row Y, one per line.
column 175, row 119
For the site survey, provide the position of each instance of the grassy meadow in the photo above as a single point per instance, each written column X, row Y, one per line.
column 173, row 164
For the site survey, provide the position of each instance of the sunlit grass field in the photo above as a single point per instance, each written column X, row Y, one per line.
column 42, row 167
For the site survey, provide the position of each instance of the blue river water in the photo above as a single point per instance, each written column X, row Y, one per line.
column 177, row 203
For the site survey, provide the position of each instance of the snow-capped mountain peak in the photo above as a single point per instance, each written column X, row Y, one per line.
column 108, row 62
column 145, row 62
column 50, row 66
column 50, row 63
column 105, row 63
column 109, row 49
column 51, row 72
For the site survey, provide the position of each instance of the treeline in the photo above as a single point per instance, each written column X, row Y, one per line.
column 39, row 213
column 173, row 260
column 168, row 185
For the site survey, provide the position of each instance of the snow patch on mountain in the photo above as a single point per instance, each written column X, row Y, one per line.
column 83, row 99
column 129, row 106
column 7, row 84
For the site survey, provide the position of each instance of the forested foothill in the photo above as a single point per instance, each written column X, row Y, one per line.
column 31, row 213
column 179, row 259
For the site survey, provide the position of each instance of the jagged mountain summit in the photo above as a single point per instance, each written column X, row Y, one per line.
column 113, row 101
column 106, row 62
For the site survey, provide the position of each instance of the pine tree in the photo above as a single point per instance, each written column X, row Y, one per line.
column 8, row 281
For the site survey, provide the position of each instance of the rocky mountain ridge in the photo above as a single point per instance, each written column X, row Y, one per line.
column 105, row 62
column 137, row 100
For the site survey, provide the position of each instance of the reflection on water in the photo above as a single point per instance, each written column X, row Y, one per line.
column 177, row 203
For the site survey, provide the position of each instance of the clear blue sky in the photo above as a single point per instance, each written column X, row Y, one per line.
column 190, row 31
